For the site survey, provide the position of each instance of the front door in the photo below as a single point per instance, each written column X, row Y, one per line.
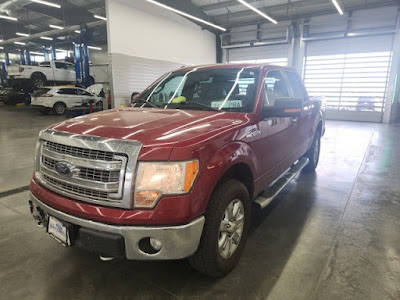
column 277, row 141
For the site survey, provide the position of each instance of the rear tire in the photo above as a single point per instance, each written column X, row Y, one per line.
column 225, row 231
column 38, row 81
column 59, row 108
column 313, row 153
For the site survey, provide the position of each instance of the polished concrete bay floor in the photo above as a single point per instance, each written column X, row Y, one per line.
column 334, row 234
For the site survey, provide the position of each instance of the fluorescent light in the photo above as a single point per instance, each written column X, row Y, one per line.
column 100, row 17
column 258, row 11
column 187, row 15
column 56, row 27
column 36, row 53
column 77, row 31
column 8, row 18
column 19, row 43
column 61, row 50
column 337, row 6
column 94, row 48
column 1, row 47
column 47, row 3
column 1, row 40
column 46, row 38
column 21, row 34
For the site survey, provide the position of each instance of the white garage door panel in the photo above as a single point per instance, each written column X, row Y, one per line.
column 260, row 54
column 352, row 74
column 134, row 74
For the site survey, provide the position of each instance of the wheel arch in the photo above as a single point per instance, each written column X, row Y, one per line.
column 37, row 73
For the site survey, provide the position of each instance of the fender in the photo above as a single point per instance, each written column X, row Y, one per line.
column 229, row 155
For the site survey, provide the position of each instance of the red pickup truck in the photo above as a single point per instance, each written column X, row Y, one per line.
column 175, row 175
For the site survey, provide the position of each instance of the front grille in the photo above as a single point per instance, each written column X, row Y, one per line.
column 87, row 173
column 76, row 190
column 80, row 152
column 87, row 168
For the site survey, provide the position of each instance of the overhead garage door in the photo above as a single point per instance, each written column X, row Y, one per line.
column 272, row 54
column 352, row 74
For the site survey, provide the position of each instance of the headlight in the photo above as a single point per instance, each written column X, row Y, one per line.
column 155, row 179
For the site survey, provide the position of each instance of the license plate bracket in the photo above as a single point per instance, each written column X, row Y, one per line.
column 59, row 231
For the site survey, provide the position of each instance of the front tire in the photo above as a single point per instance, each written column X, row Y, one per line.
column 313, row 153
column 225, row 232
column 59, row 108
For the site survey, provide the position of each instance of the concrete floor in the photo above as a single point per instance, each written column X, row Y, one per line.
column 330, row 235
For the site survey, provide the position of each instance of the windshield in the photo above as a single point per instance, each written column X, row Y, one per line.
column 232, row 89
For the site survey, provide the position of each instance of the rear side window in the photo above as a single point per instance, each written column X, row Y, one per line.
column 297, row 85
column 45, row 64
column 70, row 67
column 60, row 65
column 67, row 91
column 39, row 92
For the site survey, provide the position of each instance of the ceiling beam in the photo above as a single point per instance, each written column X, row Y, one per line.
column 309, row 14
column 225, row 4
column 191, row 9
column 282, row 11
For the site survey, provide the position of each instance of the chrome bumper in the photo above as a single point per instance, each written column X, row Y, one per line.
column 177, row 241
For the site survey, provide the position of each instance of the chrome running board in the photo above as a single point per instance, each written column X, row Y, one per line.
column 269, row 195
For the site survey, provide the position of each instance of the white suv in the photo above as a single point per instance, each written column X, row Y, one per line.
column 59, row 98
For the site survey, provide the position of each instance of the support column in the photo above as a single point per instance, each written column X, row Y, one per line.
column 28, row 57
column 53, row 53
column 22, row 57
column 7, row 58
column 392, row 93
column 77, row 55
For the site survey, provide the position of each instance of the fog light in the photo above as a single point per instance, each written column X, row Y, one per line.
column 156, row 244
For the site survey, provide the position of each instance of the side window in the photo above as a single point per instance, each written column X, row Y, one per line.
column 297, row 85
column 58, row 65
column 274, row 87
column 67, row 91
column 70, row 67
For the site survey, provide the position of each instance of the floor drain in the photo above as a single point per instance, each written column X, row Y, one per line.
column 14, row 191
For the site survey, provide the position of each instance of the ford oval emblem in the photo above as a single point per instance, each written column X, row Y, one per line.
column 62, row 168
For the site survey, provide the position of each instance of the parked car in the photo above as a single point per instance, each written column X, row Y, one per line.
column 175, row 176
column 59, row 98
column 48, row 72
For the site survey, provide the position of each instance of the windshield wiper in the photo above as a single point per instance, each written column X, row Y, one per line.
column 143, row 102
column 189, row 103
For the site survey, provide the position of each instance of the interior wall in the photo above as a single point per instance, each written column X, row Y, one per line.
column 145, row 41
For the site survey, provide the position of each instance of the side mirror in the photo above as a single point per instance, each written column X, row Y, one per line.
column 284, row 107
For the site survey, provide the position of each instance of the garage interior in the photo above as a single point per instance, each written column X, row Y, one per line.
column 332, row 234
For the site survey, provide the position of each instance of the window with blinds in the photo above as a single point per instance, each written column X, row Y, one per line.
column 349, row 82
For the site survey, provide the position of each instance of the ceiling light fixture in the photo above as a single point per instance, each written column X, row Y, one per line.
column 36, row 53
column 187, row 15
column 21, row 34
column 77, row 31
column 46, row 38
column 339, row 9
column 56, row 27
column 19, row 43
column 8, row 18
column 47, row 3
column 258, row 11
column 1, row 47
column 94, row 48
column 100, row 17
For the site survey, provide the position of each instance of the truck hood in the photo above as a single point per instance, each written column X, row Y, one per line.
column 152, row 127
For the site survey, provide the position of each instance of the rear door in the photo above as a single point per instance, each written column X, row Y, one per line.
column 70, row 97
column 61, row 72
column 306, row 121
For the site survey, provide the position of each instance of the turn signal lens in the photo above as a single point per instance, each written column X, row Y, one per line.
column 146, row 198
column 192, row 168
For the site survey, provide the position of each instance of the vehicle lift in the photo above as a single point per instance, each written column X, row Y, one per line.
column 81, row 54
